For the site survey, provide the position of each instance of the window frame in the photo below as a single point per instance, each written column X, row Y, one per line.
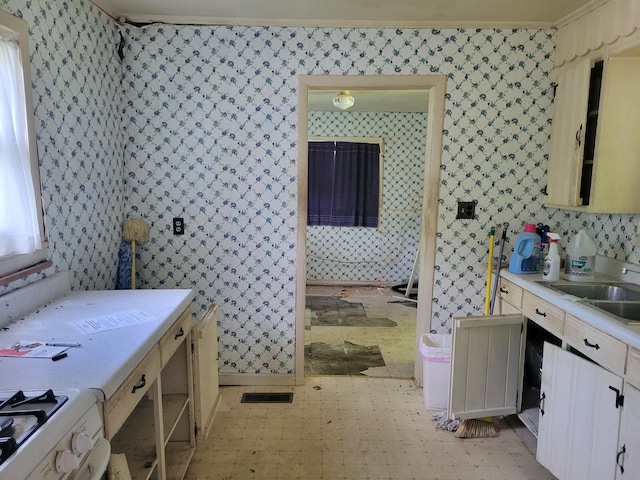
column 16, row 29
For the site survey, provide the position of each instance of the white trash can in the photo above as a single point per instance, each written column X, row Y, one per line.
column 435, row 350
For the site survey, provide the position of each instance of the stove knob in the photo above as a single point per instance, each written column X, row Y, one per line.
column 66, row 462
column 81, row 443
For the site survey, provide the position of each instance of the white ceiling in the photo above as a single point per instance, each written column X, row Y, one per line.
column 355, row 13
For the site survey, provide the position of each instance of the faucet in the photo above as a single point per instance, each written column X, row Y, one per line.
column 626, row 270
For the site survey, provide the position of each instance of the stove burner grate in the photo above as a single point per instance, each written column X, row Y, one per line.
column 21, row 416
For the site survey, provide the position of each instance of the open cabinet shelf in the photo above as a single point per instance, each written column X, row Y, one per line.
column 158, row 436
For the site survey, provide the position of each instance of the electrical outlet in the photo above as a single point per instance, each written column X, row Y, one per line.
column 466, row 210
column 178, row 226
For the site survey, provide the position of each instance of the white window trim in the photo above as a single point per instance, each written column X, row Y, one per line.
column 18, row 30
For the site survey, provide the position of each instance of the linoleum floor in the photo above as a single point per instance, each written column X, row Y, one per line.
column 353, row 428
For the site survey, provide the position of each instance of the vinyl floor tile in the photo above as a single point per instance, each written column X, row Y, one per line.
column 352, row 428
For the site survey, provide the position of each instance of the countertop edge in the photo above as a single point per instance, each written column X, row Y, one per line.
column 573, row 306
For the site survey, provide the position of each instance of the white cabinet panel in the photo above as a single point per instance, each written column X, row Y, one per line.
column 628, row 457
column 486, row 366
column 567, row 135
column 579, row 417
column 205, row 371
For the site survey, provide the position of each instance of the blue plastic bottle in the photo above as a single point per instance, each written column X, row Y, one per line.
column 526, row 252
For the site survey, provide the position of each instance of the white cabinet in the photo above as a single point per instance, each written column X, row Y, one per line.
column 150, row 419
column 616, row 181
column 628, row 457
column 580, row 402
column 594, row 147
column 567, row 135
column 205, row 372
column 579, row 417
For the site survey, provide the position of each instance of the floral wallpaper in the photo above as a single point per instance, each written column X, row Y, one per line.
column 76, row 73
column 385, row 254
column 201, row 123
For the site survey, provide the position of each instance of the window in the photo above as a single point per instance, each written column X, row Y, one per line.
column 22, row 239
column 344, row 183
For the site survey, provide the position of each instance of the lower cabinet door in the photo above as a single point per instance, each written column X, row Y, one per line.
column 628, row 457
column 486, row 365
column 579, row 417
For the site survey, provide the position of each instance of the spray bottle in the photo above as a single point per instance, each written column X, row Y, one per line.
column 551, row 271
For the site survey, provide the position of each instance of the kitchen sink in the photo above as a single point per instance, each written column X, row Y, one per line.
column 629, row 311
column 613, row 292
column 620, row 300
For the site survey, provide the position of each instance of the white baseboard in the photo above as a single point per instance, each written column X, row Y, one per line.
column 351, row 283
column 256, row 379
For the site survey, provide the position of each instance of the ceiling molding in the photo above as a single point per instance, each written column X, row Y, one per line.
column 402, row 14
column 592, row 5
column 324, row 23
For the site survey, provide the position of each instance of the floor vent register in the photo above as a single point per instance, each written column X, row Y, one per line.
column 267, row 397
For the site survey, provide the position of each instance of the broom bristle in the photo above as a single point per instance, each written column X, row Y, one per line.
column 135, row 229
column 472, row 428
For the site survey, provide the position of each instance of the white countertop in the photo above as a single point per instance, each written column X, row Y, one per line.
column 106, row 358
column 572, row 305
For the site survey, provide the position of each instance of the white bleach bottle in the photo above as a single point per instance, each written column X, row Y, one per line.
column 551, row 272
column 580, row 264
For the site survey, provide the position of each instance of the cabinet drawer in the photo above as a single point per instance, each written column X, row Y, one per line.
column 118, row 408
column 595, row 344
column 633, row 367
column 176, row 334
column 543, row 313
column 511, row 293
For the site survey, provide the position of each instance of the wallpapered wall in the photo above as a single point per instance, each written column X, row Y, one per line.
column 76, row 75
column 210, row 133
column 385, row 254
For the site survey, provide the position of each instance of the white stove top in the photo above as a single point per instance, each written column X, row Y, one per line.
column 78, row 417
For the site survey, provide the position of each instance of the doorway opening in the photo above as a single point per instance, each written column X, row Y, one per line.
column 431, row 88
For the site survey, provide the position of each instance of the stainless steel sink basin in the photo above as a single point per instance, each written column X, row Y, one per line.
column 629, row 311
column 620, row 300
column 614, row 292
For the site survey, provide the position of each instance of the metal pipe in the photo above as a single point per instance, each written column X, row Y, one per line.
column 626, row 270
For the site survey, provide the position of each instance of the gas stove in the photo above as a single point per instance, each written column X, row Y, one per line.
column 51, row 434
column 22, row 415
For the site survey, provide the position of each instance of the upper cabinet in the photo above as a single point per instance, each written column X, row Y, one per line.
column 594, row 151
column 567, row 135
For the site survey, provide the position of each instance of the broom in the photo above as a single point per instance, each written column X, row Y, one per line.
column 481, row 427
column 476, row 428
column 135, row 230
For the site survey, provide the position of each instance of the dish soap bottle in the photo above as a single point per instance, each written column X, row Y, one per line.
column 580, row 263
column 526, row 252
column 551, row 272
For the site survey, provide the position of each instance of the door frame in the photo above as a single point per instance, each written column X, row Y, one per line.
column 435, row 86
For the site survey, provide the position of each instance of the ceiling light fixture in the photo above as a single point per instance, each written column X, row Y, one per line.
column 343, row 100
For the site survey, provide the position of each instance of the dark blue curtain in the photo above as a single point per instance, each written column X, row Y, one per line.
column 321, row 170
column 344, row 184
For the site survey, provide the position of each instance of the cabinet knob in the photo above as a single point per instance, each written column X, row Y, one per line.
column 542, row 314
column 179, row 334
